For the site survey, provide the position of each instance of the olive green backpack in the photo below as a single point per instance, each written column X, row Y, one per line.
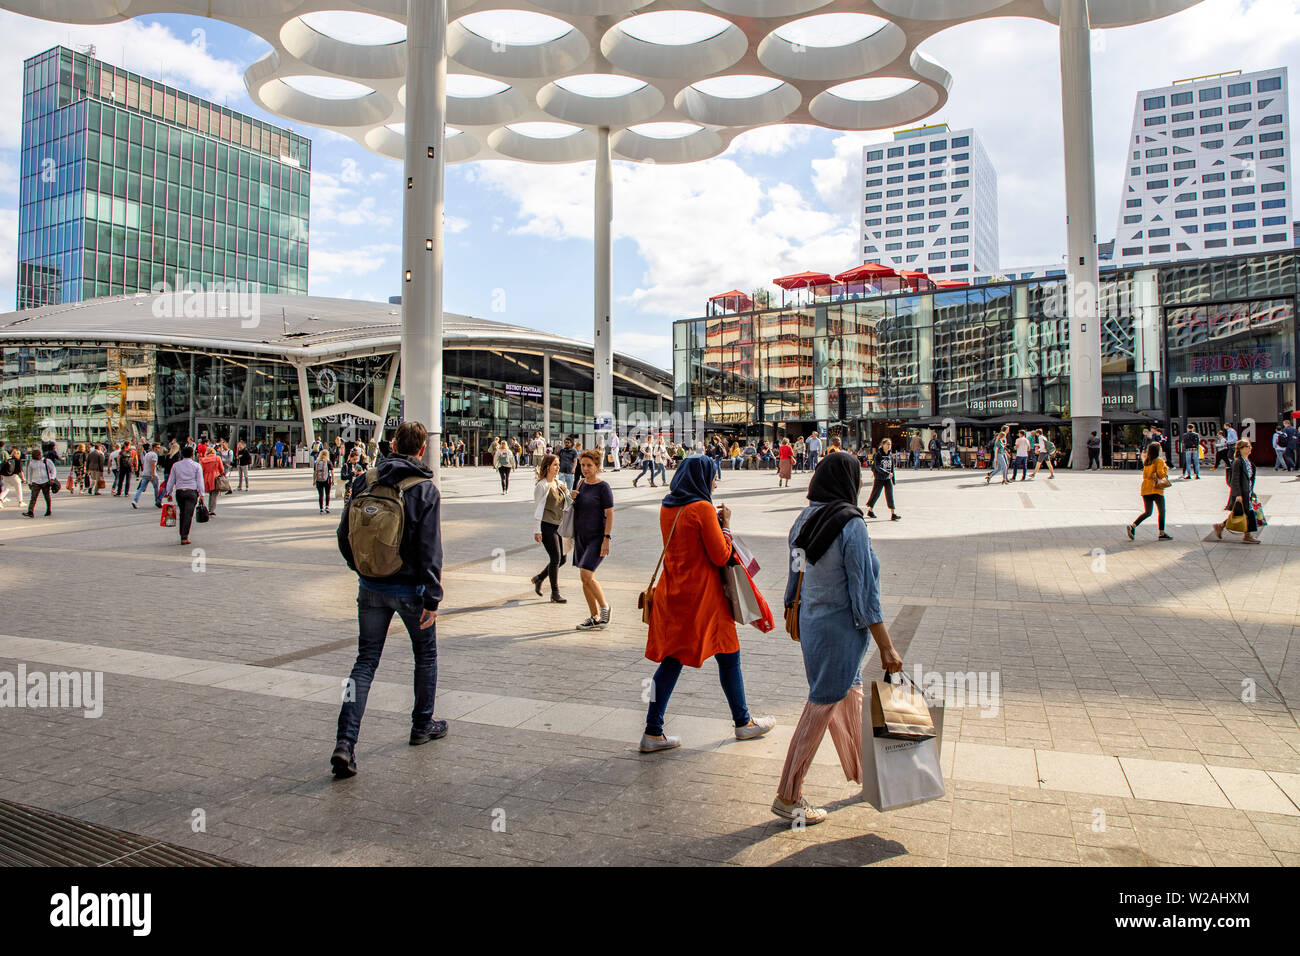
column 376, row 523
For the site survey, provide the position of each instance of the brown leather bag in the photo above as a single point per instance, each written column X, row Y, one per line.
column 646, row 598
column 792, row 611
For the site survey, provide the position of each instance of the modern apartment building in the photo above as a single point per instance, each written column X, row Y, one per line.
column 930, row 203
column 1208, row 171
column 126, row 184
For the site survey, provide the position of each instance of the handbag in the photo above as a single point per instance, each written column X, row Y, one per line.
column 566, row 520
column 646, row 598
column 792, row 609
column 1237, row 520
column 201, row 512
column 222, row 483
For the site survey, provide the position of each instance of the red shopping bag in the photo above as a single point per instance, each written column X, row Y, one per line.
column 168, row 517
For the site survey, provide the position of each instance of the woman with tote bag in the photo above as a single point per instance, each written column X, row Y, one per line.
column 1241, row 494
column 690, row 614
column 549, row 497
column 834, row 588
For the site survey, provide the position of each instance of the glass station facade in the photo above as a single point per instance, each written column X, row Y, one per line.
column 1205, row 341
column 125, row 184
column 73, row 394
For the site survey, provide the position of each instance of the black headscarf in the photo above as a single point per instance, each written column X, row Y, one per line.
column 835, row 484
column 692, row 481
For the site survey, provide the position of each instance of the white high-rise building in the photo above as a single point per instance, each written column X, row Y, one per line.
column 1207, row 171
column 930, row 203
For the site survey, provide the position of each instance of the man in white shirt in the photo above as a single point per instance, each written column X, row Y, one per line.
column 613, row 450
column 148, row 473
column 1022, row 457
column 814, row 448
column 185, row 483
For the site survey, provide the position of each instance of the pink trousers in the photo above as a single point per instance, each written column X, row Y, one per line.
column 845, row 722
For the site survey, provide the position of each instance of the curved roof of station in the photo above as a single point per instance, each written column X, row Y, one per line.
column 675, row 80
column 295, row 328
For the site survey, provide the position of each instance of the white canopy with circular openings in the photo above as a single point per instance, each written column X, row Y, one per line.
column 658, row 58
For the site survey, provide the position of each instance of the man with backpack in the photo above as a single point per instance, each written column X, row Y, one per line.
column 1045, row 450
column 390, row 535
column 936, row 452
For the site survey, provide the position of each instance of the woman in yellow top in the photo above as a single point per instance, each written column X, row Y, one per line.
column 1155, row 479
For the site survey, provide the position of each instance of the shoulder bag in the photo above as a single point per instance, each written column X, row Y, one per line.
column 646, row 598
column 566, row 519
column 1162, row 481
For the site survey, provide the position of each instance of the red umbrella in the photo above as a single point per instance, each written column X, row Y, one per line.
column 866, row 272
column 952, row 284
column 803, row 280
column 913, row 274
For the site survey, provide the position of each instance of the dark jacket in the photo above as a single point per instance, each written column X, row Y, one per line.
column 421, row 547
column 882, row 465
column 1241, row 482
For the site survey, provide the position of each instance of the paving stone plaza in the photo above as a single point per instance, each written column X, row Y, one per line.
column 1138, row 707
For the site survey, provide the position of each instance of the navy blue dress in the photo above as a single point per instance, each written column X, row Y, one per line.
column 589, row 523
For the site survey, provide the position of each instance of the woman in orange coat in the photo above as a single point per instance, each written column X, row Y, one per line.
column 212, row 467
column 690, row 616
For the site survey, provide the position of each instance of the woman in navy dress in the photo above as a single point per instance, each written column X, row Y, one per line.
column 593, row 526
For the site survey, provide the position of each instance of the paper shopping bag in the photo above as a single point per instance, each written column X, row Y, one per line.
column 744, row 555
column 899, row 711
column 168, row 517
column 901, row 773
column 745, row 606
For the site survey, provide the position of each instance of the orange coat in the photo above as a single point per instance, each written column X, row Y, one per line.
column 212, row 466
column 691, row 616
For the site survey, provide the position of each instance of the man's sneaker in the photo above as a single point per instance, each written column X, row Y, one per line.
column 590, row 624
column 604, row 616
column 650, row 744
column 436, row 731
column 798, row 811
column 343, row 760
column 756, row 727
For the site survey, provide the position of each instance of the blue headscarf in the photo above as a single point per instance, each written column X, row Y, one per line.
column 692, row 481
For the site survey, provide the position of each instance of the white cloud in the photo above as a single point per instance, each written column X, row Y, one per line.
column 770, row 140
column 454, row 224
column 325, row 266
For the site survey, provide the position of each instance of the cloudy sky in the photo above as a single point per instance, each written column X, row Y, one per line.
column 780, row 200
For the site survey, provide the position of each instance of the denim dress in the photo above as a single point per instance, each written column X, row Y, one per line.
column 839, row 601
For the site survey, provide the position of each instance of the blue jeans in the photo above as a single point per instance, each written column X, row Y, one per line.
column 733, row 685
column 1191, row 463
column 812, row 460
column 1021, row 462
column 661, row 471
column 144, row 483
column 567, row 479
column 374, row 613
column 916, row 459
column 647, row 465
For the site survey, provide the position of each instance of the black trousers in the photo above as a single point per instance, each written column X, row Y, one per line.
column 1148, row 501
column 505, row 477
column 323, row 493
column 554, row 546
column 1094, row 457
column 876, row 488
column 186, row 501
column 36, row 491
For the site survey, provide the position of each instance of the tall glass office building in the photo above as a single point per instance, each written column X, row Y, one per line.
column 126, row 184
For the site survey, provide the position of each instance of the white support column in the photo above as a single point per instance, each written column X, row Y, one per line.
column 304, row 406
column 546, row 396
column 422, row 212
column 394, row 366
column 602, row 342
column 1081, row 226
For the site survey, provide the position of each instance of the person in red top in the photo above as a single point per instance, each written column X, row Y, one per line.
column 784, row 463
column 690, row 615
column 212, row 467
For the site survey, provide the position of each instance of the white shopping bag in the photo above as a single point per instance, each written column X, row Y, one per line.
column 901, row 773
column 744, row 555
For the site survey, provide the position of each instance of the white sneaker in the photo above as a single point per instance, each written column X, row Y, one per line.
column 756, row 727
column 650, row 744
column 802, row 810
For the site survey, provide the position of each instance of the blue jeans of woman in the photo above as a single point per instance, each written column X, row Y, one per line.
column 665, row 679
column 374, row 613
